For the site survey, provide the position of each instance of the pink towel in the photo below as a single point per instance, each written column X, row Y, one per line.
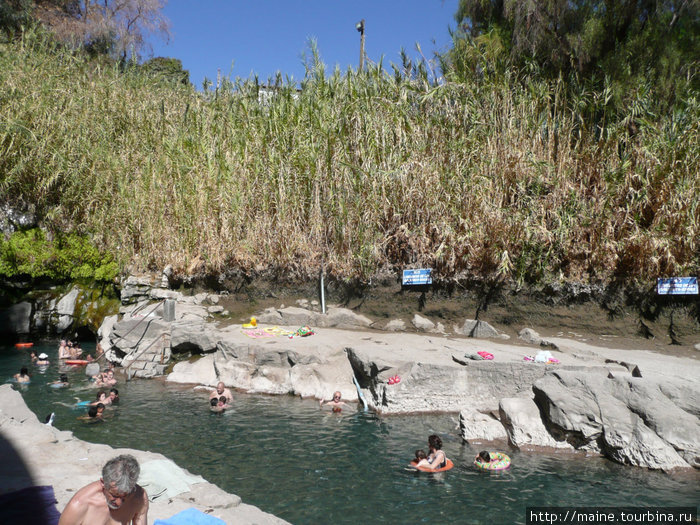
column 256, row 333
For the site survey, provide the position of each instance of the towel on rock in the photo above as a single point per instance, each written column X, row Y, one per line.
column 190, row 517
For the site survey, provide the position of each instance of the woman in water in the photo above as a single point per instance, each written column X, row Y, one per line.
column 23, row 376
column 436, row 458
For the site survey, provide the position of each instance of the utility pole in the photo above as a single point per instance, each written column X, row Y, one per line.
column 360, row 26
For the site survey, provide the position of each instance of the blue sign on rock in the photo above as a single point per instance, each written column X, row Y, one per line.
column 416, row 277
column 677, row 286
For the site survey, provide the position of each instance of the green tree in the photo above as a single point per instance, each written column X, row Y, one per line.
column 623, row 39
column 14, row 14
column 168, row 69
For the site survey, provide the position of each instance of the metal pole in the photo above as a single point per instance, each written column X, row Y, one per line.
column 360, row 26
column 323, row 293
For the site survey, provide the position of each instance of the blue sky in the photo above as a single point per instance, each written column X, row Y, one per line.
column 245, row 37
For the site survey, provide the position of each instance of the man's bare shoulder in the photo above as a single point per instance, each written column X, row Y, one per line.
column 78, row 509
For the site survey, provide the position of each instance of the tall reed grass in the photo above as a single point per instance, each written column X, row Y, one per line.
column 362, row 172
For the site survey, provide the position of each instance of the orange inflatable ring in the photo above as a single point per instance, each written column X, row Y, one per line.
column 24, row 345
column 76, row 362
column 448, row 466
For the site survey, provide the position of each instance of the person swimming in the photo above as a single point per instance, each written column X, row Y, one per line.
column 421, row 459
column 483, row 457
column 61, row 383
column 214, row 405
column 94, row 413
column 436, row 458
column 23, row 376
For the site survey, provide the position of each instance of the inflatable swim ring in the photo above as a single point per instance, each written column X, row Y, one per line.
column 499, row 461
column 448, row 466
column 24, row 345
column 76, row 362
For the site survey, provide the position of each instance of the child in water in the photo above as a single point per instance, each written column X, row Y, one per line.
column 483, row 457
column 62, row 382
column 218, row 404
column 94, row 414
column 421, row 459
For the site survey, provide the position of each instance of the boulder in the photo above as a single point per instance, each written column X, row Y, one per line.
column 16, row 319
column 134, row 333
column 199, row 337
column 529, row 336
column 422, row 324
column 475, row 426
column 478, row 329
column 65, row 310
column 136, row 288
column 629, row 418
column 342, row 318
column 200, row 371
column 523, row 423
column 395, row 325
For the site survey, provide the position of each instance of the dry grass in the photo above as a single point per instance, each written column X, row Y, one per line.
column 360, row 172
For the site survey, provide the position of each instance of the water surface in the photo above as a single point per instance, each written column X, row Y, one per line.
column 308, row 466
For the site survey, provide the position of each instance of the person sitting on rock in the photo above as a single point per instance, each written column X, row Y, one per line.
column 23, row 376
column 221, row 390
column 115, row 498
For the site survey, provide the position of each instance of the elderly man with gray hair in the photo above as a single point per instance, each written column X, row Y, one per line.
column 115, row 499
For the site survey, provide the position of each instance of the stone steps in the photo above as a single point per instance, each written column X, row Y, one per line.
column 149, row 363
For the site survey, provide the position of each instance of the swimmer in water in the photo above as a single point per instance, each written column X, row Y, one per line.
column 62, row 382
column 336, row 404
column 436, row 458
column 221, row 390
column 421, row 459
column 102, row 398
column 94, row 413
column 23, row 376
column 483, row 457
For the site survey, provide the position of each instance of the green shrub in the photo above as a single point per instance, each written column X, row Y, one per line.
column 66, row 257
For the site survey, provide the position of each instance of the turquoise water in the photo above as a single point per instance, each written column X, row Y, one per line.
column 287, row 457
